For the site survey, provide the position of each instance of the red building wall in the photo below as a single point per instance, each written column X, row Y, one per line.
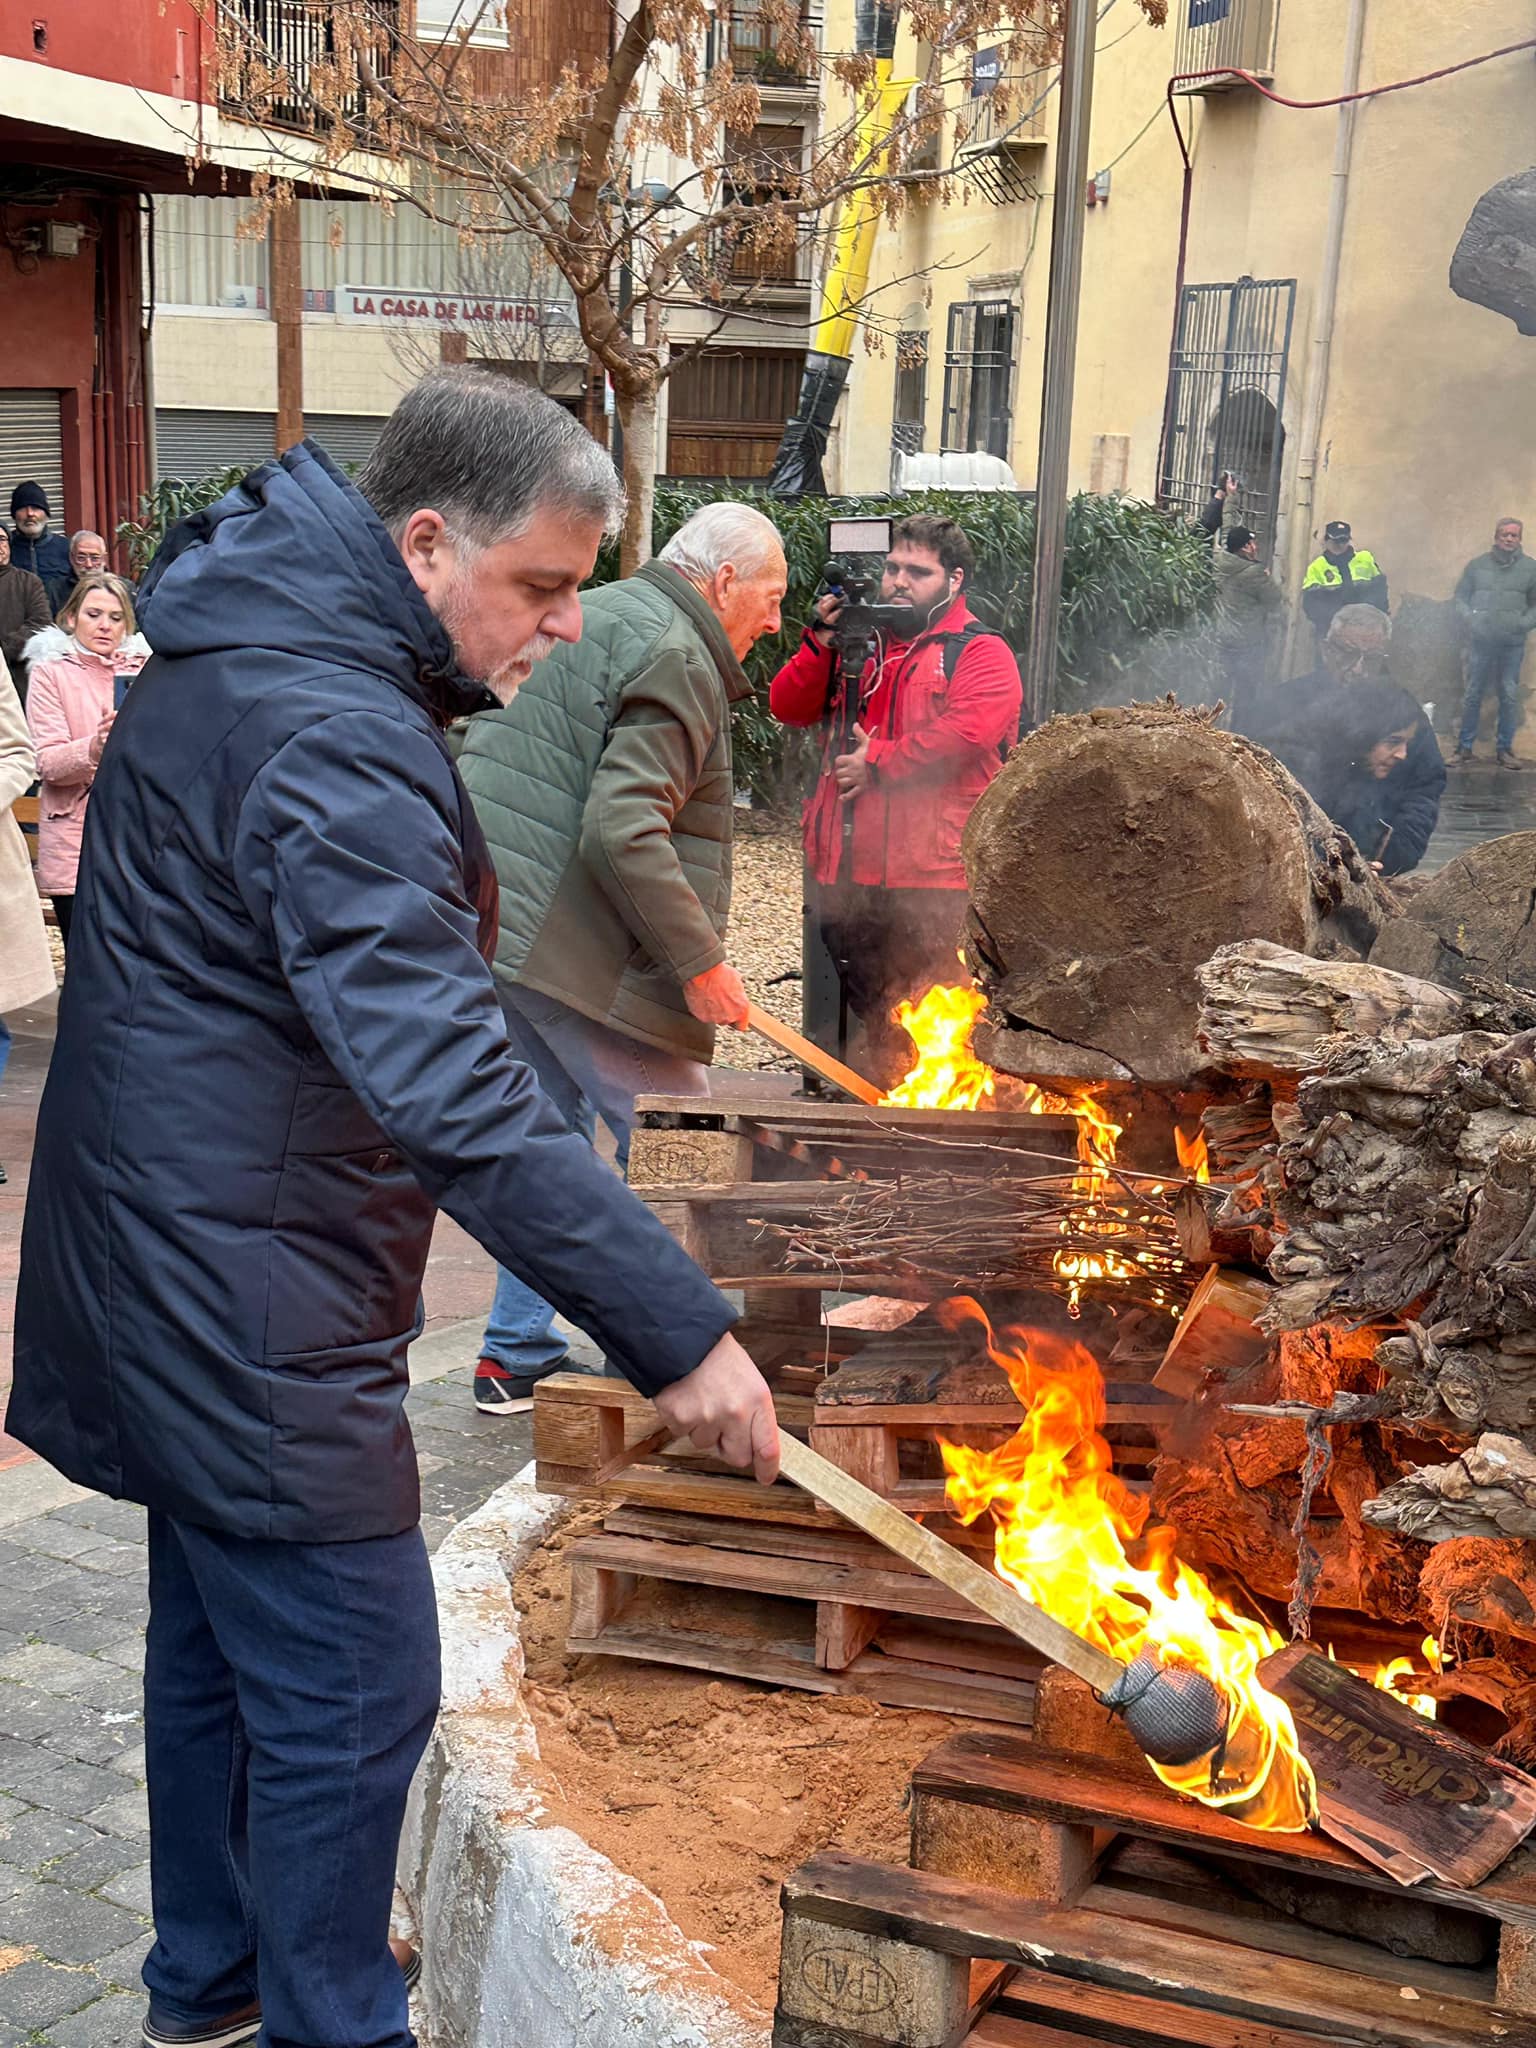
column 151, row 44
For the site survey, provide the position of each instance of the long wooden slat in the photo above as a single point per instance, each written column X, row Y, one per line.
column 894, row 1681
column 1014, row 1777
column 1057, row 1135
column 960, row 1919
column 811, row 1056
column 827, row 1543
column 986, row 1592
column 1036, row 2011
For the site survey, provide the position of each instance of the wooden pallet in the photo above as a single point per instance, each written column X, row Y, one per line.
column 819, row 1610
column 874, row 1956
column 1105, row 1838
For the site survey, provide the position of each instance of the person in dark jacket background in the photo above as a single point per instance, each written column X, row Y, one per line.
column 1300, row 723
column 34, row 547
column 1249, row 602
column 1363, row 739
column 24, row 610
column 279, row 1052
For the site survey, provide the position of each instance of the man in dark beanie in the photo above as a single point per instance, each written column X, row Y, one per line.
column 34, row 548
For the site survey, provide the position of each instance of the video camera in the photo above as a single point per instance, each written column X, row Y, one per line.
column 856, row 580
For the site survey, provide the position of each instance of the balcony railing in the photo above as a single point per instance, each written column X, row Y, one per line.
column 1015, row 110
column 758, row 49
column 297, row 63
column 1214, row 35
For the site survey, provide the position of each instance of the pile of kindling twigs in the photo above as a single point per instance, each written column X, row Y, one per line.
column 1072, row 1231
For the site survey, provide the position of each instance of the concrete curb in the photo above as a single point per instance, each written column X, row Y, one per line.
column 530, row 1938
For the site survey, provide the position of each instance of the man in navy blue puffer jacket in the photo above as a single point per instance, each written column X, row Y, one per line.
column 279, row 1052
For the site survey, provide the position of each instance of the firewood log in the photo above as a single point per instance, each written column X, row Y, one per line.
column 1479, row 1582
column 1270, row 1013
column 1490, row 1490
column 1107, row 862
column 1473, row 918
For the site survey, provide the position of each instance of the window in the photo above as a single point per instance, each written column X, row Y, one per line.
column 978, row 378
column 908, row 413
column 1226, row 399
column 480, row 22
column 772, row 248
column 278, row 48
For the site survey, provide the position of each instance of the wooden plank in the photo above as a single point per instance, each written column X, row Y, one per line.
column 1011, row 1852
column 1218, row 1332
column 782, row 1660
column 831, row 1543
column 1056, row 1135
column 786, row 1579
column 868, row 1455
column 861, row 1978
column 843, row 1632
column 698, row 1493
column 1036, row 2011
column 999, row 1771
column 675, row 1157
column 594, row 1390
column 941, row 1913
column 1403, row 1791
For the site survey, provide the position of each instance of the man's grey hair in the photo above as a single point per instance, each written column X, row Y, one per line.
column 721, row 533
column 1360, row 621
column 489, row 454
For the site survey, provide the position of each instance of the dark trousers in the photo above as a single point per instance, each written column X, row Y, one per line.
column 289, row 1691
column 63, row 910
column 889, row 945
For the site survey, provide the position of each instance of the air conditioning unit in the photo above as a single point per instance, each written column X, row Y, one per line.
column 1217, row 38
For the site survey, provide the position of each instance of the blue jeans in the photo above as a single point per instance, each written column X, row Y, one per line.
column 5, row 1046
column 587, row 1071
column 1498, row 668
column 289, row 1691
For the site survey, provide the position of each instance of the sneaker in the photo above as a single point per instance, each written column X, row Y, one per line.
column 499, row 1392
column 1508, row 760
column 238, row 2028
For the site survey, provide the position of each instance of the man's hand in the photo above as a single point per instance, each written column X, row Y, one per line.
column 827, row 609
column 852, row 772
column 717, row 996
column 724, row 1406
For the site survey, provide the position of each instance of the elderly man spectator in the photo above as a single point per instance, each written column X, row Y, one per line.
column 34, row 547
column 279, row 1054
column 1300, row 722
column 605, row 792
column 87, row 553
column 24, row 611
column 1341, row 575
column 1496, row 604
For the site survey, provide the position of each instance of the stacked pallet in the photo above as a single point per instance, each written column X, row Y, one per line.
column 1057, row 1898
column 795, row 1596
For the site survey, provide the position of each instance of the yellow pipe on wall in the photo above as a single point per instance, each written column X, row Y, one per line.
column 853, row 239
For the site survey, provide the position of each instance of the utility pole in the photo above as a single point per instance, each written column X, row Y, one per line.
column 286, row 280
column 1068, row 208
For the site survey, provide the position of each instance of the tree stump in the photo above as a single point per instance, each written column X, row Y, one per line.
column 1472, row 919
column 1111, row 857
column 1495, row 260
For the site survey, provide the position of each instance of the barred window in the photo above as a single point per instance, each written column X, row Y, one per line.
column 978, row 378
column 910, row 408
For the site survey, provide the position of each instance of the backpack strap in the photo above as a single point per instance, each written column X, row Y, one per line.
column 955, row 644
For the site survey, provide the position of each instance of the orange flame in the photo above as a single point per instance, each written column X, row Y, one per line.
column 1072, row 1538
column 1194, row 1159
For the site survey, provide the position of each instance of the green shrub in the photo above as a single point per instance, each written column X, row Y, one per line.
column 1138, row 591
column 171, row 499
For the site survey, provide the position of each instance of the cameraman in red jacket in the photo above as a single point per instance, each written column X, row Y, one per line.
column 938, row 705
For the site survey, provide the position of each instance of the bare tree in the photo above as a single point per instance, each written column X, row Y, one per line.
column 566, row 169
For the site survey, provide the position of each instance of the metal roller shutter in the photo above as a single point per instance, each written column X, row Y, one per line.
column 31, row 447
column 194, row 443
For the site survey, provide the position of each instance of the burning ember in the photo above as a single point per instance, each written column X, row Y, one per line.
column 1072, row 1538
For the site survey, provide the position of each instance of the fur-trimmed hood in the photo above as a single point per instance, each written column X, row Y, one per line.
column 48, row 642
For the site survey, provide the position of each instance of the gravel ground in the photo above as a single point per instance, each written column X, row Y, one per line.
column 765, row 934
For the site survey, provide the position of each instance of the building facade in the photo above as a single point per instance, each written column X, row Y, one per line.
column 1361, row 390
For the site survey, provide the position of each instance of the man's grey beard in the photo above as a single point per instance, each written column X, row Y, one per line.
column 507, row 677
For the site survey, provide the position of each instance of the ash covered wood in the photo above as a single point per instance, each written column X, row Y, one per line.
column 1107, row 862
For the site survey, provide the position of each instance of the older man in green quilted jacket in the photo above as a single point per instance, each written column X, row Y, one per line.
column 605, row 791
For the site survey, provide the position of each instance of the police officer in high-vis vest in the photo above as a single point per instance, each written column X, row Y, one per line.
column 1342, row 574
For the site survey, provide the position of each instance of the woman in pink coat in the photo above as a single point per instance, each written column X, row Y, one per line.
column 71, row 702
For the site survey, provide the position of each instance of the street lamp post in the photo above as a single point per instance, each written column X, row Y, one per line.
column 1068, row 208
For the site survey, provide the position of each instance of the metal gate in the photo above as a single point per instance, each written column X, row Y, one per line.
column 1226, row 399
column 32, row 450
